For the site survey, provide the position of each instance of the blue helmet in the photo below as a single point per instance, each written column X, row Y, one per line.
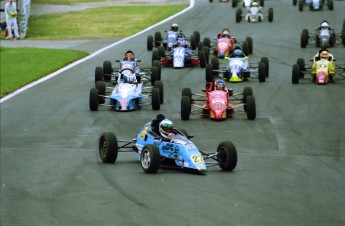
column 237, row 53
column 219, row 84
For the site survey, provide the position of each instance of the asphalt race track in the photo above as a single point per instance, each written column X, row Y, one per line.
column 291, row 159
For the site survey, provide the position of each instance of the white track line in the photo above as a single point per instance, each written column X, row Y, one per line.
column 9, row 96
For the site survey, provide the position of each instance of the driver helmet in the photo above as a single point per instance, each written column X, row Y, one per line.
column 226, row 33
column 237, row 53
column 324, row 25
column 166, row 127
column 255, row 4
column 181, row 42
column 324, row 55
column 129, row 56
column 219, row 84
column 174, row 27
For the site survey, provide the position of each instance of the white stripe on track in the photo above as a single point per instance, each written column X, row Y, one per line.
column 9, row 96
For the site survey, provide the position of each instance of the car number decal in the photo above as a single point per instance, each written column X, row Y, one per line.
column 197, row 158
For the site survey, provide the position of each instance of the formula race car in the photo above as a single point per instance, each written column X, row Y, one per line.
column 129, row 92
column 181, row 55
column 247, row 3
column 238, row 69
column 314, row 5
column 216, row 103
column 322, row 71
column 171, row 39
column 177, row 151
column 254, row 15
column 323, row 38
column 225, row 44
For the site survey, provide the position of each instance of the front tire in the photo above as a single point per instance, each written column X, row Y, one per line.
column 227, row 156
column 108, row 148
column 150, row 158
column 185, row 107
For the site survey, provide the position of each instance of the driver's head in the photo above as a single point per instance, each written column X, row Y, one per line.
column 324, row 25
column 324, row 55
column 255, row 4
column 226, row 33
column 174, row 27
column 237, row 53
column 219, row 84
column 166, row 127
column 129, row 56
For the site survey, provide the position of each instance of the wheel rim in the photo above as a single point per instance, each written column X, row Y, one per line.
column 222, row 156
column 146, row 159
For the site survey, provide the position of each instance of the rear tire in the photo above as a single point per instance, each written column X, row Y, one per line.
column 251, row 108
column 155, row 99
column 295, row 74
column 107, row 70
column 93, row 99
column 108, row 148
column 185, row 107
column 262, row 72
column 149, row 43
column 159, row 85
column 99, row 74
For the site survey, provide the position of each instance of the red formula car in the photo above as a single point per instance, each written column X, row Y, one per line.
column 218, row 102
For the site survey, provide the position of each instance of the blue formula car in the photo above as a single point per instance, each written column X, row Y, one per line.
column 176, row 152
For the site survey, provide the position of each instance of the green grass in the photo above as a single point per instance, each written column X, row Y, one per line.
column 20, row 66
column 64, row 2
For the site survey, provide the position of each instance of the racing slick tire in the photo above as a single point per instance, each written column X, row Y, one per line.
column 330, row 5
column 267, row 65
column 202, row 58
column 157, row 63
column 149, row 43
column 247, row 91
column 294, row 2
column 158, row 38
column 200, row 45
column 262, row 3
column 238, row 15
column 215, row 63
column 301, row 64
column 100, row 86
column 187, row 92
column 270, row 14
column 99, row 74
column 159, row 85
column 150, row 158
column 245, row 47
column 343, row 37
column 193, row 42
column 185, row 107
column 295, row 74
column 93, row 99
column 108, row 147
column 262, row 72
column 107, row 70
column 251, row 108
column 234, row 3
column 209, row 74
column 304, row 38
column 227, row 156
column 250, row 44
column 300, row 6
column 207, row 53
column 161, row 51
column 207, row 42
column 155, row 55
column 154, row 75
column 197, row 36
column 155, row 95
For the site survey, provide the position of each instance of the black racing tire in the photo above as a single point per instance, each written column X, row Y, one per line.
column 200, row 45
column 158, row 64
column 344, row 24
column 159, row 85
column 207, row 42
column 295, row 74
column 300, row 5
column 161, row 51
column 215, row 63
column 158, row 38
column 270, row 14
column 294, row 2
column 155, row 55
column 234, row 3
column 247, row 91
column 187, row 92
column 238, row 15
column 262, row 72
column 193, row 44
column 155, row 95
column 207, row 53
column 251, row 107
column 154, row 75
column 250, row 44
column 107, row 70
column 227, row 156
column 108, row 147
column 100, row 86
column 330, row 5
column 197, row 37
column 343, row 37
column 304, row 38
column 150, row 158
column 202, row 58
column 301, row 64
column 209, row 74
column 99, row 74
column 245, row 48
column 149, row 43
column 93, row 99
column 267, row 65
column 262, row 3
column 185, row 107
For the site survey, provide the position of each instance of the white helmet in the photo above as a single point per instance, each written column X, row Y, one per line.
column 166, row 127
column 324, row 25
column 255, row 4
column 226, row 33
